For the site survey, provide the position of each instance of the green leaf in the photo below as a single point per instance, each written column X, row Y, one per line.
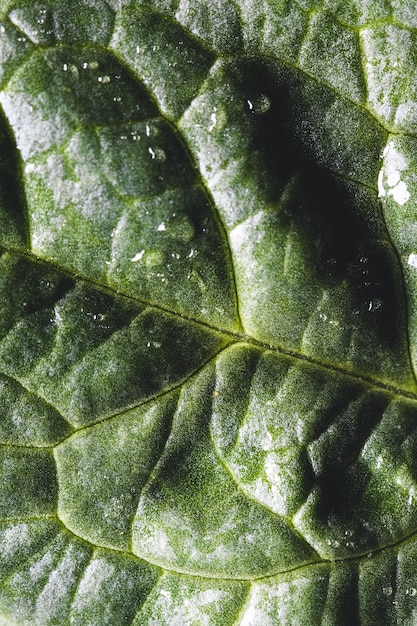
column 208, row 312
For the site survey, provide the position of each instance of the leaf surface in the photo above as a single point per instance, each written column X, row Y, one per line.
column 208, row 332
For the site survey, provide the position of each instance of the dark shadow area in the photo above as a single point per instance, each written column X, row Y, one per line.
column 13, row 209
column 315, row 156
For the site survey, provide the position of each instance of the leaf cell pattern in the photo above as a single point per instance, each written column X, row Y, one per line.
column 208, row 317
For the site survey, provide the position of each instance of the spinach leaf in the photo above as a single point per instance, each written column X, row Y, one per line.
column 208, row 333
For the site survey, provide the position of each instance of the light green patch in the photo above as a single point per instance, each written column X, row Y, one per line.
column 177, row 600
column 192, row 510
column 390, row 74
column 102, row 470
column 161, row 52
column 111, row 590
column 43, row 587
column 46, row 22
column 331, row 53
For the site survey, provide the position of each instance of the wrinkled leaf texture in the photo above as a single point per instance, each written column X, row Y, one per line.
column 208, row 333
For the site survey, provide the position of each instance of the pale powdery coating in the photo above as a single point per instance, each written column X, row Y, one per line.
column 393, row 165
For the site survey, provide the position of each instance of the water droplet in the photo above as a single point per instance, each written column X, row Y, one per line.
column 138, row 256
column 180, row 228
column 160, row 155
column 58, row 317
column 387, row 591
column 374, row 305
column 259, row 104
column 117, row 99
column 157, row 154
column 213, row 122
column 153, row 258
column 412, row 260
column 161, row 227
column 73, row 69
column 104, row 79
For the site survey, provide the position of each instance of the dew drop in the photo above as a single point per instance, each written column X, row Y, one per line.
column 180, row 228
column 73, row 69
column 374, row 305
column 153, row 258
column 259, row 104
column 160, row 155
column 157, row 154
column 138, row 256
column 104, row 79
column 412, row 260
column 213, row 121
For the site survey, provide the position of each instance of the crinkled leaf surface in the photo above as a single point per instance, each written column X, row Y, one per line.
column 208, row 327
